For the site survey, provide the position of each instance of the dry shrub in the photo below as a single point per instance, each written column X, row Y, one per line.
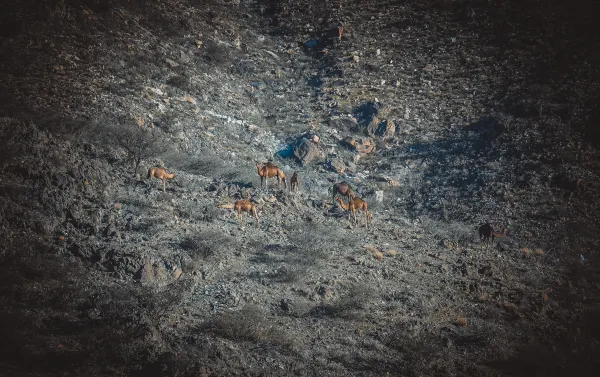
column 461, row 321
column 374, row 251
column 206, row 244
column 391, row 252
column 140, row 143
column 456, row 233
column 191, row 210
column 292, row 272
column 526, row 250
column 348, row 305
column 321, row 241
column 217, row 53
column 371, row 249
column 249, row 324
column 539, row 252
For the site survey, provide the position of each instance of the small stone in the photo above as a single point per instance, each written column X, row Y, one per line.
column 146, row 273
column 172, row 63
column 337, row 165
column 177, row 272
column 184, row 58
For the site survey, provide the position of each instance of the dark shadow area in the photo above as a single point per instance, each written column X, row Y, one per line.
column 51, row 325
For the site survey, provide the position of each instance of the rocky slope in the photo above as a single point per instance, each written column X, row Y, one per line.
column 443, row 115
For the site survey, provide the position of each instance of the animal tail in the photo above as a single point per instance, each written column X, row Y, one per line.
column 149, row 173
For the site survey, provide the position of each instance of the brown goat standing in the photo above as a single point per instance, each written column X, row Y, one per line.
column 269, row 171
column 245, row 205
column 294, row 182
column 487, row 234
column 160, row 173
column 356, row 204
column 343, row 189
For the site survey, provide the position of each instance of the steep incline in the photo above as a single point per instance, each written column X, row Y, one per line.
column 466, row 112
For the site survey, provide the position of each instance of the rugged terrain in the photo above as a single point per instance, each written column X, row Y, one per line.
column 443, row 115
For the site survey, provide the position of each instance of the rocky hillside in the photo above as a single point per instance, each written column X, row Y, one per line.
column 443, row 115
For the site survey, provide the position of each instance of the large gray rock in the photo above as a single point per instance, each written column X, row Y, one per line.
column 307, row 151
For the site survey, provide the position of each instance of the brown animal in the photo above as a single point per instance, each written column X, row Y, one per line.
column 487, row 234
column 160, row 173
column 245, row 205
column 343, row 189
column 269, row 170
column 356, row 204
column 294, row 182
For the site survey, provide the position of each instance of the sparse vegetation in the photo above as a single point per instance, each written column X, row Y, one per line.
column 140, row 143
column 247, row 325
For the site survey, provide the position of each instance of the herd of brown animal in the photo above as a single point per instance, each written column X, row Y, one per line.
column 269, row 170
column 343, row 189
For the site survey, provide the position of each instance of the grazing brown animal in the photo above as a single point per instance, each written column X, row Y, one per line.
column 294, row 182
column 269, row 170
column 343, row 189
column 245, row 205
column 356, row 204
column 487, row 234
column 160, row 173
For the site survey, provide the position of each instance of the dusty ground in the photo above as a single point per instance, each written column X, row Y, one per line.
column 494, row 114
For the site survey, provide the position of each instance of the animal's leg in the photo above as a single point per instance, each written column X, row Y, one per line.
column 164, row 184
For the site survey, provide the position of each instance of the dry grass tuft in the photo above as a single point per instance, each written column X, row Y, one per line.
column 391, row 253
column 461, row 321
column 371, row 249
column 526, row 250
column 374, row 251
column 539, row 252
column 249, row 324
